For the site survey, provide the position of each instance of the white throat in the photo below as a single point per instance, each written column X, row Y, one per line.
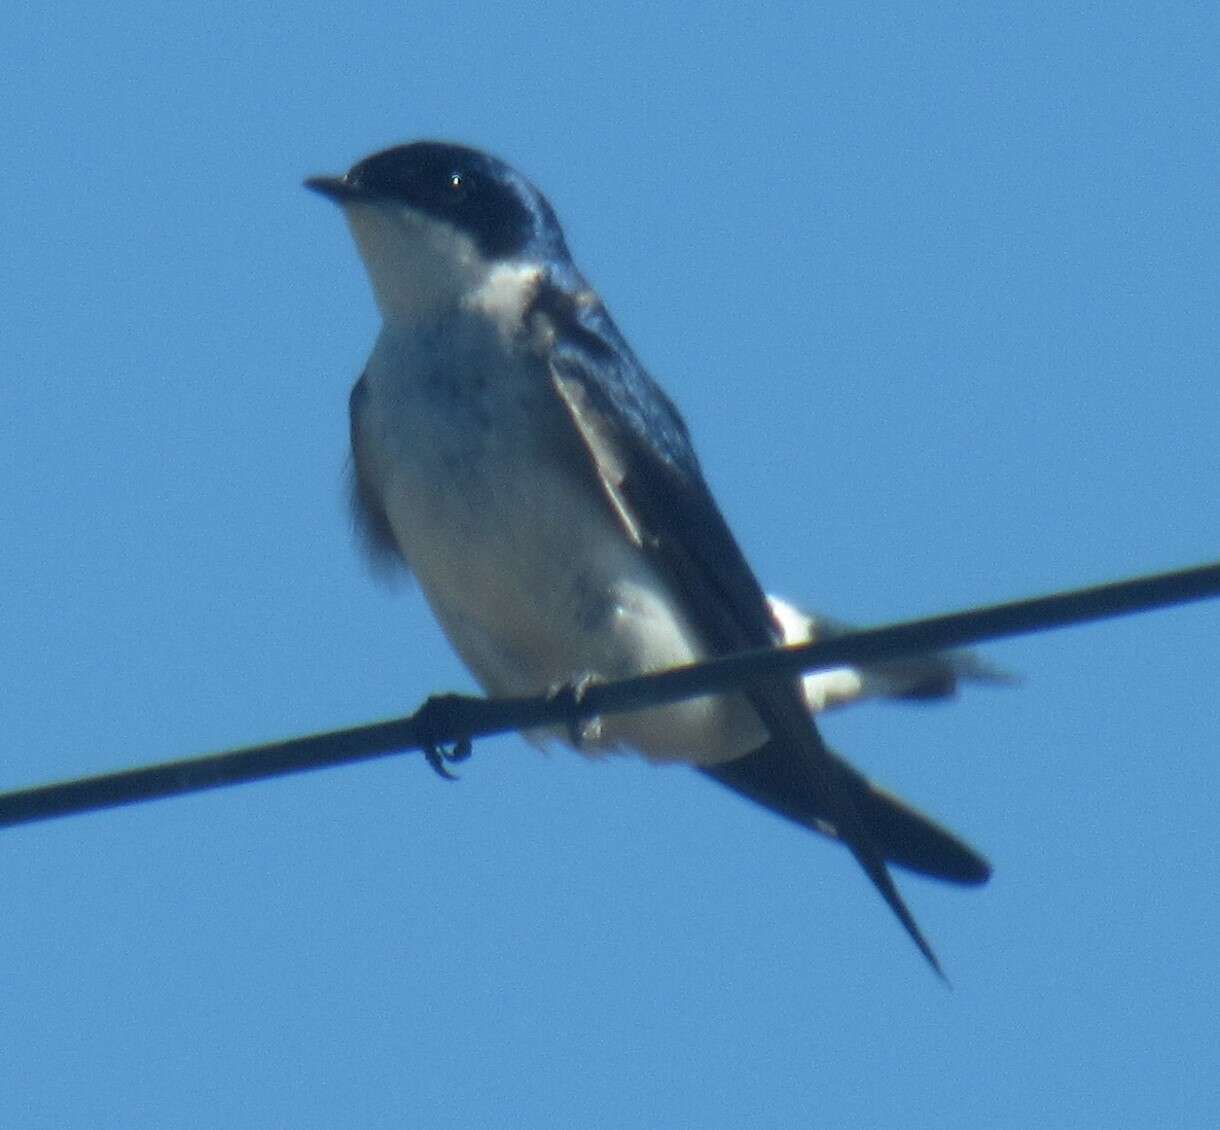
column 418, row 266
column 421, row 268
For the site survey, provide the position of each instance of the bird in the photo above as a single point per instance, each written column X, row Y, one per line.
column 512, row 453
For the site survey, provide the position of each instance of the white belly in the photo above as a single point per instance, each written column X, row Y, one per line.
column 525, row 567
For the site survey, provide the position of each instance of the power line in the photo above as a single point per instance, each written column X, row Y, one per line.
column 454, row 720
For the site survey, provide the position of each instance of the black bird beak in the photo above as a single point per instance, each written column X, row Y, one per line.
column 338, row 189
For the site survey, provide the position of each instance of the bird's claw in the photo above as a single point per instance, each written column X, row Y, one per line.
column 437, row 755
column 436, row 717
column 582, row 727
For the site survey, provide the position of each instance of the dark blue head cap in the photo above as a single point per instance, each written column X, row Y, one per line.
column 478, row 194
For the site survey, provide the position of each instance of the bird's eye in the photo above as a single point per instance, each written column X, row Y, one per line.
column 457, row 183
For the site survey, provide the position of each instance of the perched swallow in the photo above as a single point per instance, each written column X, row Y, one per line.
column 511, row 452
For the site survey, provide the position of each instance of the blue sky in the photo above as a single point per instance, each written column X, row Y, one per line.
column 937, row 293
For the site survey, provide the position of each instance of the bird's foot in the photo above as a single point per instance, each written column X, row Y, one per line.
column 437, row 720
column 582, row 726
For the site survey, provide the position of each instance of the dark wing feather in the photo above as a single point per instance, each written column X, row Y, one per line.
column 670, row 511
column 372, row 525
column 902, row 834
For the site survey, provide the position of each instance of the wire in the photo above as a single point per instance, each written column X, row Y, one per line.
column 445, row 725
